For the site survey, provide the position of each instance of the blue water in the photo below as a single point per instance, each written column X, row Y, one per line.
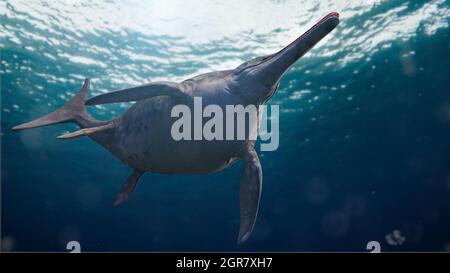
column 364, row 149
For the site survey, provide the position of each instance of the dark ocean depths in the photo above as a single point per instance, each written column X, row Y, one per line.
column 364, row 149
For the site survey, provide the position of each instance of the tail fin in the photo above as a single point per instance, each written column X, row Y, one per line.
column 72, row 111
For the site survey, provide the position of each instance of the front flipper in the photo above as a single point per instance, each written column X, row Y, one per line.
column 250, row 192
column 128, row 187
column 139, row 93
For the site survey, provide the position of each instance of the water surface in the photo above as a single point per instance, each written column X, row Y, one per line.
column 365, row 126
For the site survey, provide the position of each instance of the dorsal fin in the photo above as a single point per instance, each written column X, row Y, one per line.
column 139, row 93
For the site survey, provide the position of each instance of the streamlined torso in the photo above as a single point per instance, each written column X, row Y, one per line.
column 143, row 134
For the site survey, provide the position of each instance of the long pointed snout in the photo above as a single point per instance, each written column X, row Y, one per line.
column 278, row 63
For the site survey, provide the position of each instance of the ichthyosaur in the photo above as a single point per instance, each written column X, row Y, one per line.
column 141, row 137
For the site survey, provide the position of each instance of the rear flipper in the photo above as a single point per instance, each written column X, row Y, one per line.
column 72, row 111
column 128, row 187
column 87, row 131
